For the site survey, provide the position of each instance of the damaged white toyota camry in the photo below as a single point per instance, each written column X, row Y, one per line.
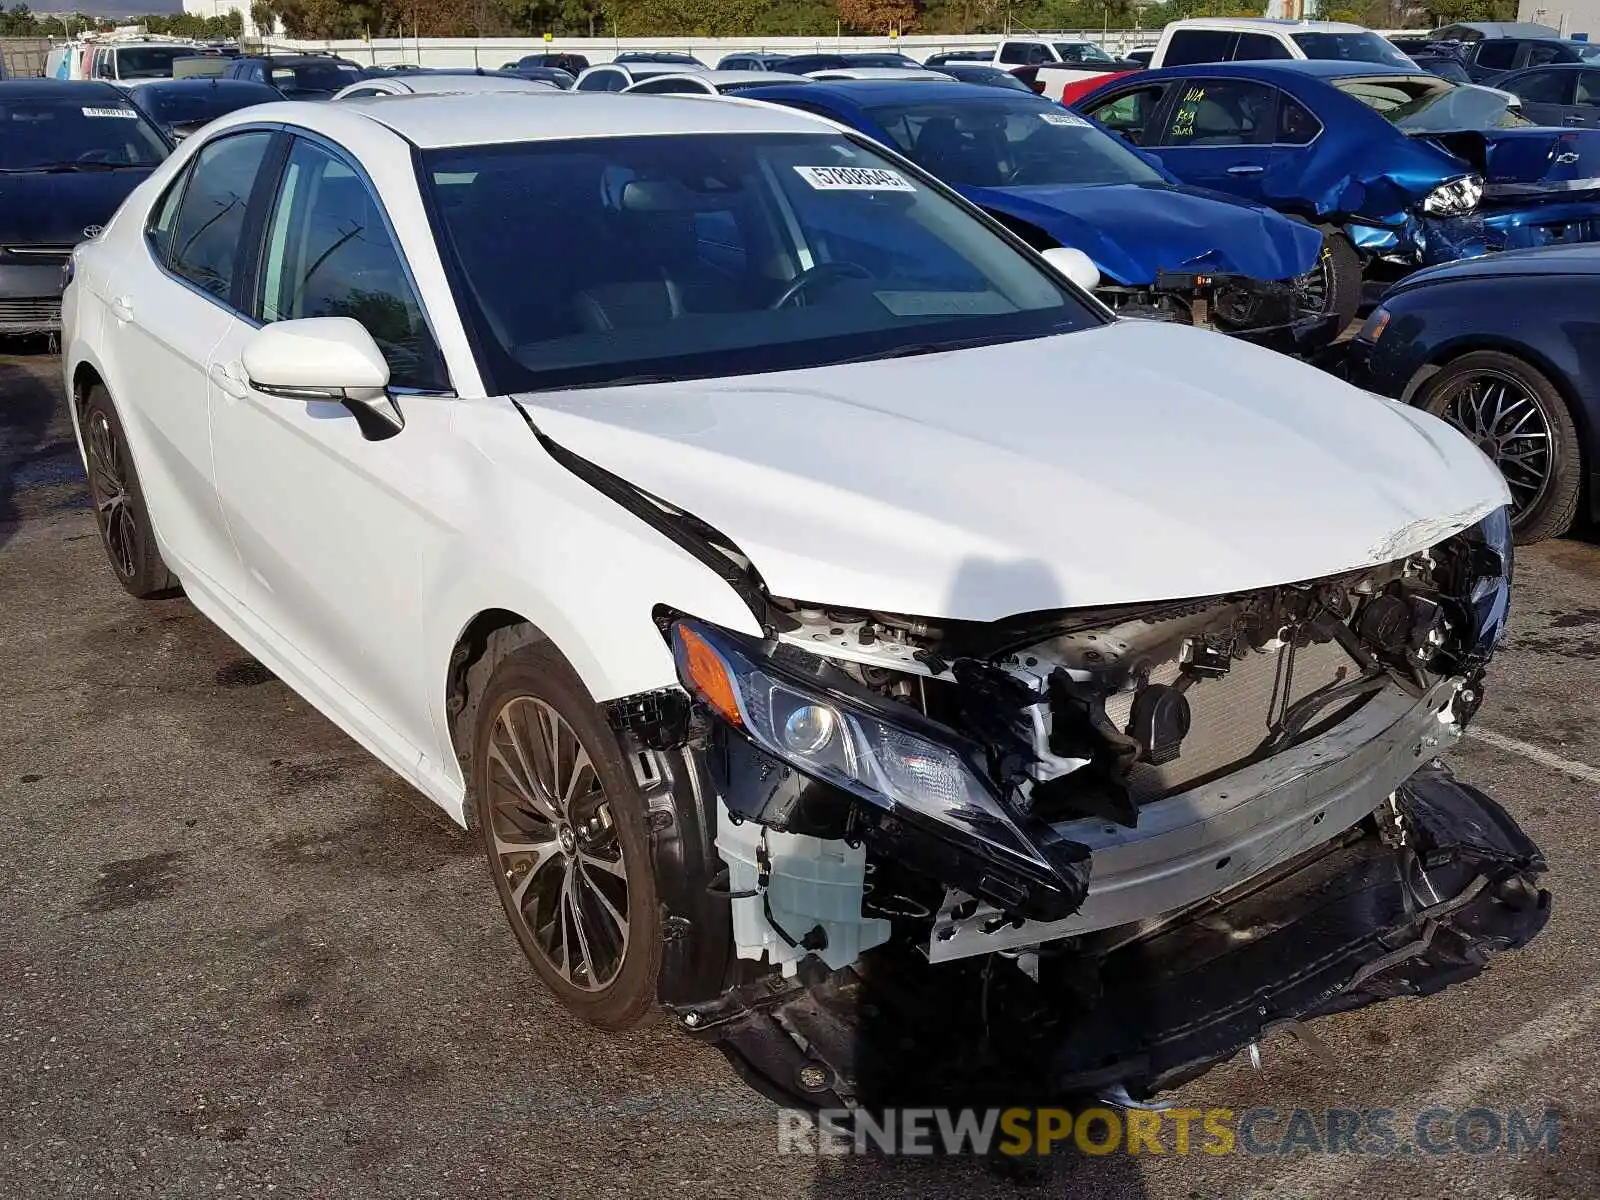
column 837, row 627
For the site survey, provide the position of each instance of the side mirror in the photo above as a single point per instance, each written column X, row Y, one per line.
column 1075, row 265
column 325, row 359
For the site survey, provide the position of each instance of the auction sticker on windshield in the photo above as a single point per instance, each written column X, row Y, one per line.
column 126, row 114
column 1051, row 118
column 855, row 179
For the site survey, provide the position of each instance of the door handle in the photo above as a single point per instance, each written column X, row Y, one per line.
column 231, row 379
column 1572, row 119
column 1246, row 169
column 122, row 307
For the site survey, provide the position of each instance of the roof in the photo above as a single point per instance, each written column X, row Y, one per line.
column 1500, row 29
column 920, row 75
column 1302, row 68
column 722, row 79
column 1048, row 38
column 496, row 118
column 86, row 90
column 1273, row 22
column 865, row 93
column 202, row 83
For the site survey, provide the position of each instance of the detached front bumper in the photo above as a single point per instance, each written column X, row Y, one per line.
column 30, row 298
column 1265, row 312
column 1403, row 905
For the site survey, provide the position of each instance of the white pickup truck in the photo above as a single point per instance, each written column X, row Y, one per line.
column 1056, row 61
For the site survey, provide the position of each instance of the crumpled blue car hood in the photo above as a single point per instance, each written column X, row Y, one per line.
column 1133, row 231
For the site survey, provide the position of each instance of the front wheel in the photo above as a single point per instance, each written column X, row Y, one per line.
column 564, row 827
column 1333, row 286
column 1516, row 416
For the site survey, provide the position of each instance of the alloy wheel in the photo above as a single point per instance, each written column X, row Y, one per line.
column 555, row 842
column 108, row 488
column 1313, row 289
column 1508, row 424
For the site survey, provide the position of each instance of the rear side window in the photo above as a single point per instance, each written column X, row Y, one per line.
column 1198, row 46
column 329, row 254
column 1257, row 46
column 208, row 227
column 1014, row 52
column 1296, row 125
column 1539, row 55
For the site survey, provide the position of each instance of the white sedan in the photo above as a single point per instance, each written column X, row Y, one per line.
column 430, row 83
column 772, row 559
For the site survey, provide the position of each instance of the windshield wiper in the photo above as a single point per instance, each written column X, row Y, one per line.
column 73, row 168
column 916, row 348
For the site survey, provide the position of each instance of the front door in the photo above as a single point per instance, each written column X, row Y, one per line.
column 1218, row 134
column 334, row 541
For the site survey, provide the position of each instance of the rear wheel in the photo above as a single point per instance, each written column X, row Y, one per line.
column 564, row 829
column 1516, row 416
column 119, row 502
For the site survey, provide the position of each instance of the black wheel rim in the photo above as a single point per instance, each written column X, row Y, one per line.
column 555, row 844
column 1505, row 419
column 108, row 488
column 1313, row 291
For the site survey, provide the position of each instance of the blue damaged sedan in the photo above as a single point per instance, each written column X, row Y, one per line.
column 1396, row 165
column 1163, row 250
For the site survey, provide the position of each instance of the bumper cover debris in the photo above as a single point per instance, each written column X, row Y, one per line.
column 1417, row 898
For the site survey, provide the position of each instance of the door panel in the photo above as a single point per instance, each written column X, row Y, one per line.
column 1218, row 134
column 332, row 538
column 171, row 303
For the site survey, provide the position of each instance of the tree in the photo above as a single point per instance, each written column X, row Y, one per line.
column 262, row 17
column 877, row 16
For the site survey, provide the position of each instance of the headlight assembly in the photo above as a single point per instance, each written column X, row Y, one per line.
column 1491, row 590
column 907, row 770
column 1455, row 198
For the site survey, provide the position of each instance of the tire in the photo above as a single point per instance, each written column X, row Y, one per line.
column 1549, row 509
column 1344, row 276
column 119, row 504
column 605, row 965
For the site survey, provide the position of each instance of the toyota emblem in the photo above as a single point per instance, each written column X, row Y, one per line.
column 93, row 231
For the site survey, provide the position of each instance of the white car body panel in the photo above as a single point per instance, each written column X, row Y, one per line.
column 1239, row 459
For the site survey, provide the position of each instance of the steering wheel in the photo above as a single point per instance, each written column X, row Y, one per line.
column 817, row 274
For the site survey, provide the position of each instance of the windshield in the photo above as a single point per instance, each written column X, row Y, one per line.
column 149, row 62
column 53, row 134
column 1010, row 142
column 611, row 260
column 1436, row 107
column 1082, row 52
column 1365, row 46
column 314, row 77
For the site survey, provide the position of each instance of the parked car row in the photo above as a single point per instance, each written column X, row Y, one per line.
column 833, row 623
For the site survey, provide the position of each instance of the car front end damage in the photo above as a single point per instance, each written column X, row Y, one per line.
column 1287, row 315
column 1103, row 849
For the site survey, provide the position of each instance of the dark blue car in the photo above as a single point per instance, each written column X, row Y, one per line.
column 1505, row 349
column 1054, row 179
column 1400, row 165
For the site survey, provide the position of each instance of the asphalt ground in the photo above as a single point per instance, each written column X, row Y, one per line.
column 238, row 957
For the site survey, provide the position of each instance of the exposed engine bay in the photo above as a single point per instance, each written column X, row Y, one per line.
column 1035, row 816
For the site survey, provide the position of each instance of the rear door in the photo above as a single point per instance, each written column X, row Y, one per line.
column 1548, row 96
column 1585, row 108
column 1218, row 133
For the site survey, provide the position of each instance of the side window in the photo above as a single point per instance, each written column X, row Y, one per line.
column 329, row 254
column 1296, row 125
column 1588, row 88
column 1539, row 55
column 1256, row 46
column 203, row 246
column 667, row 87
column 363, row 93
column 1038, row 56
column 1198, row 46
column 1499, row 54
column 1221, row 112
column 1130, row 113
column 1547, row 87
column 1014, row 52
column 158, row 233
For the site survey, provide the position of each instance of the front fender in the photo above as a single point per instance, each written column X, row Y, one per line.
column 536, row 540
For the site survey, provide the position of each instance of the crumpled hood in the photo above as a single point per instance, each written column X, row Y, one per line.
column 54, row 209
column 1137, row 461
column 1132, row 231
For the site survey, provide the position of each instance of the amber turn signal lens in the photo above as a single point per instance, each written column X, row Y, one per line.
column 707, row 675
